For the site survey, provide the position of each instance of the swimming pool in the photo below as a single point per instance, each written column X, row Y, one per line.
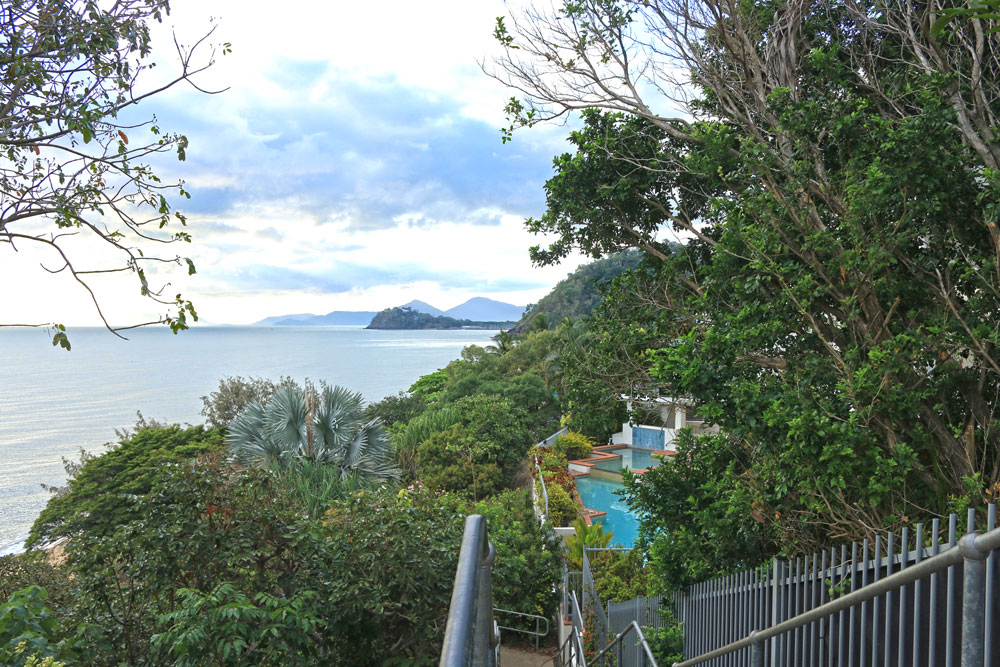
column 599, row 494
column 632, row 458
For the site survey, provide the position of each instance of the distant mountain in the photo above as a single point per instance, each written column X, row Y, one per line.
column 270, row 321
column 474, row 312
column 482, row 309
column 334, row 318
column 578, row 294
column 359, row 318
column 422, row 307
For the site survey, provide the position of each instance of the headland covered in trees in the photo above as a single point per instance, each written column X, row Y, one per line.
column 477, row 312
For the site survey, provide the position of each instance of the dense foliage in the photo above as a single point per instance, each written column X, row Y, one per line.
column 107, row 490
column 576, row 295
column 834, row 307
column 217, row 563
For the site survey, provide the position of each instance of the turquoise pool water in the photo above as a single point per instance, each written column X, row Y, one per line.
column 631, row 458
column 599, row 494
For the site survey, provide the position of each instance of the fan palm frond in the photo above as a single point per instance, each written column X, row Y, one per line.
column 329, row 429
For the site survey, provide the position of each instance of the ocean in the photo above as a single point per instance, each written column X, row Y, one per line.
column 53, row 402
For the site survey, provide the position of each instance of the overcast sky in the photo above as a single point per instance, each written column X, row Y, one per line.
column 355, row 163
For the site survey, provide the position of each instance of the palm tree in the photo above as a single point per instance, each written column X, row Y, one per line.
column 327, row 427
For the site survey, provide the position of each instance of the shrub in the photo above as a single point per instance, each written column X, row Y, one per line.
column 29, row 630
column 375, row 573
column 456, row 460
column 33, row 568
column 620, row 575
column 105, row 492
column 224, row 627
column 573, row 445
column 529, row 557
column 398, row 409
column 407, row 440
column 562, row 508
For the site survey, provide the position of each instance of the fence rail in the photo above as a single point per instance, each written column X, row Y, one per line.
column 924, row 599
column 472, row 636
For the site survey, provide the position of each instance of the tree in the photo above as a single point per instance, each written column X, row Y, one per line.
column 835, row 168
column 234, row 394
column 328, row 427
column 75, row 166
column 103, row 492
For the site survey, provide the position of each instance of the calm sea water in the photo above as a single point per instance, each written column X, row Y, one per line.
column 54, row 402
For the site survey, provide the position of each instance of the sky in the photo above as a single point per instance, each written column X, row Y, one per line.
column 353, row 163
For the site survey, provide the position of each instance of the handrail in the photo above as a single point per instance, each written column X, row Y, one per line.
column 545, row 493
column 537, row 633
column 471, row 636
column 573, row 644
column 549, row 440
column 973, row 549
column 618, row 641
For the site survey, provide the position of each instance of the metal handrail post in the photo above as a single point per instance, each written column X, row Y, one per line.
column 484, row 603
column 756, row 651
column 973, row 601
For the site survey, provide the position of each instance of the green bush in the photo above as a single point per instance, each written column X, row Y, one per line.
column 33, row 568
column 457, row 460
column 374, row 573
column 563, row 509
column 620, row 576
column 224, row 627
column 529, row 557
column 573, row 445
column 106, row 491
column 406, row 440
column 29, row 630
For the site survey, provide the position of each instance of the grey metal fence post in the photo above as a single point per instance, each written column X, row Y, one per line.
column 486, row 641
column 973, row 602
column 756, row 651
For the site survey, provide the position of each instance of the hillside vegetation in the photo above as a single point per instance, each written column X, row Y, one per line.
column 579, row 293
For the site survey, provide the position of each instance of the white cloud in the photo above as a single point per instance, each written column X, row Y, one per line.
column 356, row 151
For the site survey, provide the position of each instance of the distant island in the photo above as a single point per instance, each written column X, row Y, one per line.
column 477, row 313
column 404, row 317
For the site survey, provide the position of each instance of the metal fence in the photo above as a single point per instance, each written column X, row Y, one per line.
column 643, row 611
column 921, row 598
column 614, row 619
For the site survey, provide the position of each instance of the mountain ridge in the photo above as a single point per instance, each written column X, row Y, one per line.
column 478, row 308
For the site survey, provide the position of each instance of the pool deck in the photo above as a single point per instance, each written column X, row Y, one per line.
column 583, row 467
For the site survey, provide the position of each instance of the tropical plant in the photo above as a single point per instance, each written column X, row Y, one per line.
column 327, row 426
column 315, row 485
column 407, row 440
column 592, row 536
